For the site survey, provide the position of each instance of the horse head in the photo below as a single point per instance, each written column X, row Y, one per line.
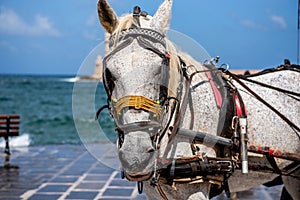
column 138, row 81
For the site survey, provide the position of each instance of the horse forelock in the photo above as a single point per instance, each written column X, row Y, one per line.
column 125, row 22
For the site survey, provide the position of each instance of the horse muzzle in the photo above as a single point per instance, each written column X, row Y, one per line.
column 138, row 177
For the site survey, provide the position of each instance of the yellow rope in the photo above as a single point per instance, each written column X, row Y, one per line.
column 139, row 103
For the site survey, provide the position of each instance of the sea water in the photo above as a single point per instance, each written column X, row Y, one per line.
column 45, row 106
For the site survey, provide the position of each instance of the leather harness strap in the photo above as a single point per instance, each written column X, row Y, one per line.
column 284, row 118
column 178, row 117
column 161, row 192
column 218, row 96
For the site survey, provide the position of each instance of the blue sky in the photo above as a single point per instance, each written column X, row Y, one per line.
column 54, row 36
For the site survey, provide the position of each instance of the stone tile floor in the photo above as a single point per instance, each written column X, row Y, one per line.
column 71, row 172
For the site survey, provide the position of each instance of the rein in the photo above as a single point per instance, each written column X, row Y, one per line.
column 179, row 113
column 284, row 118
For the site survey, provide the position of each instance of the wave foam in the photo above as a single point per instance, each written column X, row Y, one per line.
column 19, row 141
column 70, row 80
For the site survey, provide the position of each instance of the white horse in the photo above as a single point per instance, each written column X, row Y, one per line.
column 157, row 96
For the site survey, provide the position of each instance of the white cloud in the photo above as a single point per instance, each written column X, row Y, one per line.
column 11, row 23
column 89, row 34
column 91, row 21
column 8, row 46
column 252, row 25
column 92, row 28
column 279, row 21
column 248, row 23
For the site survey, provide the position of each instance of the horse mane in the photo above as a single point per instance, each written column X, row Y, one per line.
column 174, row 68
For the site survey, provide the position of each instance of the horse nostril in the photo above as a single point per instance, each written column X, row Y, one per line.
column 151, row 150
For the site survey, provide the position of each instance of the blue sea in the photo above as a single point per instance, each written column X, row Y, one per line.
column 47, row 104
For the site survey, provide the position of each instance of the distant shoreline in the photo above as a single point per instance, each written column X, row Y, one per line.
column 236, row 71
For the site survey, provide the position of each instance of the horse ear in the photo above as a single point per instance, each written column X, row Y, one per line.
column 161, row 20
column 107, row 16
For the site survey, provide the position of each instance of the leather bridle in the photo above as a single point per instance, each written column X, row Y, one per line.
column 165, row 105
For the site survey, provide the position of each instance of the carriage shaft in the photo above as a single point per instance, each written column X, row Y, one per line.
column 201, row 137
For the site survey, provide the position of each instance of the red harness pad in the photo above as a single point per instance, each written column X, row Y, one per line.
column 239, row 109
column 218, row 96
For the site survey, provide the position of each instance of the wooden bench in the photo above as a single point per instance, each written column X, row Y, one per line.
column 9, row 126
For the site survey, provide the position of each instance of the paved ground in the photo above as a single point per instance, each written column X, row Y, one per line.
column 71, row 172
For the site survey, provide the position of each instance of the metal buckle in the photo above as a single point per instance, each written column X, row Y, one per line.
column 230, row 166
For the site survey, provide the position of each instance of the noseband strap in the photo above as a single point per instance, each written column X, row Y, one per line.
column 138, row 126
column 138, row 103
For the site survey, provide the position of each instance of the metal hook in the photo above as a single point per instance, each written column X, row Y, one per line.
column 227, row 67
column 213, row 61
